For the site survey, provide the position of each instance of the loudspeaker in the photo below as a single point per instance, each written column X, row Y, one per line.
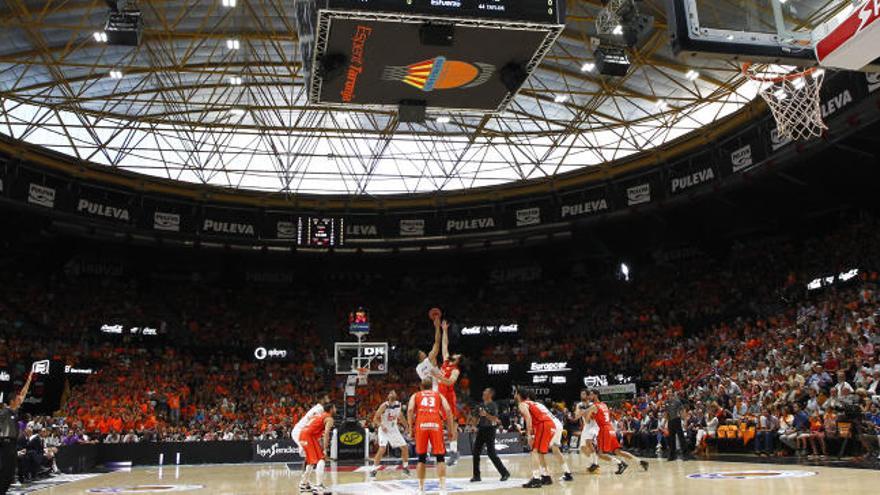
column 412, row 111
column 513, row 75
column 331, row 66
column 431, row 34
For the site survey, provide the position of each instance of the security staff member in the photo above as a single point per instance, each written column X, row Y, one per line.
column 9, row 437
column 487, row 422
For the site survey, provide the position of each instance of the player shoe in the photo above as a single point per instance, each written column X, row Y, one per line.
column 373, row 473
column 320, row 490
column 505, row 477
column 567, row 477
column 621, row 467
column 534, row 483
column 406, row 472
column 546, row 480
column 452, row 459
column 593, row 469
column 644, row 465
column 305, row 487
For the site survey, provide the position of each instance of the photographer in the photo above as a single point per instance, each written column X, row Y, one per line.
column 487, row 422
column 9, row 437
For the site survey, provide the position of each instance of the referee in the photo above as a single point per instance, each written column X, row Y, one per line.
column 486, row 424
column 9, row 437
column 674, row 408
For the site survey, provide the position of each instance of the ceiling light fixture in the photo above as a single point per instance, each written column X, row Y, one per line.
column 235, row 80
column 588, row 67
column 560, row 98
column 116, row 74
column 692, row 75
column 100, row 36
column 444, row 120
column 233, row 44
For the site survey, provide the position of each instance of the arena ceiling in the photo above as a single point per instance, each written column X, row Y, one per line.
column 184, row 106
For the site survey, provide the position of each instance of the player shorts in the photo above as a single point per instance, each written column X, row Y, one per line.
column 544, row 432
column 589, row 433
column 432, row 435
column 312, row 448
column 607, row 441
column 392, row 437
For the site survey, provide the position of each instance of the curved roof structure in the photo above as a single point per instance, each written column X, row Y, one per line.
column 214, row 95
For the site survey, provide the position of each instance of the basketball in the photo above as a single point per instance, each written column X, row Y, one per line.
column 435, row 314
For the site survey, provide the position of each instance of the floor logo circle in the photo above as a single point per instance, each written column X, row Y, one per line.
column 750, row 475
column 408, row 486
column 145, row 489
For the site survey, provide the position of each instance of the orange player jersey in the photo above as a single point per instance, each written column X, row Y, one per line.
column 429, row 409
column 602, row 417
column 447, row 369
column 539, row 412
column 316, row 426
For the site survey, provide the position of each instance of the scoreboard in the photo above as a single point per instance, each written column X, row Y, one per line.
column 321, row 232
column 539, row 11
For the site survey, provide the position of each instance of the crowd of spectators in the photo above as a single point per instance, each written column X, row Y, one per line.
column 738, row 336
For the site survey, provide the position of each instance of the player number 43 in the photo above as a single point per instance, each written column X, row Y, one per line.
column 428, row 402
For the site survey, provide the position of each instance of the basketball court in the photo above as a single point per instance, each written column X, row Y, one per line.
column 663, row 478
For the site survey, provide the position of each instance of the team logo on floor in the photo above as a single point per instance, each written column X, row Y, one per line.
column 145, row 489
column 751, row 475
column 394, row 487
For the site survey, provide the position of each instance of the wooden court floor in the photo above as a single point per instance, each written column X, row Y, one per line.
column 663, row 478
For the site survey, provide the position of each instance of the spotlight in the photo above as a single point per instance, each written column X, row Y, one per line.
column 560, row 98
column 692, row 75
column 116, row 74
column 100, row 36
column 443, row 120
column 588, row 67
column 233, row 44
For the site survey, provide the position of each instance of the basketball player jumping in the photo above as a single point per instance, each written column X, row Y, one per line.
column 386, row 419
column 607, row 440
column 427, row 367
column 425, row 416
column 542, row 431
column 446, row 378
column 315, row 440
column 589, row 432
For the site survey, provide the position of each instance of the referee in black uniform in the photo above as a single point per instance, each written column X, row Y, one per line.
column 486, row 424
column 674, row 408
column 9, row 437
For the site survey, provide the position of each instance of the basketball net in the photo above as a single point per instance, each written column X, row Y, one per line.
column 362, row 374
column 793, row 98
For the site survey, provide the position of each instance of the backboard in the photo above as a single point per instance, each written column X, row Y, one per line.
column 761, row 31
column 350, row 356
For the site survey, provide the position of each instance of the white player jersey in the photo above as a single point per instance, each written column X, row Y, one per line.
column 585, row 406
column 313, row 413
column 391, row 415
column 426, row 370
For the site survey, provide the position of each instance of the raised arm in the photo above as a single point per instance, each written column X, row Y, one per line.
column 432, row 356
column 18, row 400
column 445, row 326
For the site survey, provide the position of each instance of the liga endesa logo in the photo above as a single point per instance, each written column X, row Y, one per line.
column 440, row 73
column 750, row 475
column 356, row 66
column 351, row 438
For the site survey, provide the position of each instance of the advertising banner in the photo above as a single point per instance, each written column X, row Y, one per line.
column 276, row 451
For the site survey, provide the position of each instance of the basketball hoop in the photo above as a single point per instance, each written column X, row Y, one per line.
column 793, row 98
column 362, row 374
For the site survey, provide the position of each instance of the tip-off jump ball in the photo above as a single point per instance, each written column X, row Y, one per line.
column 435, row 314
